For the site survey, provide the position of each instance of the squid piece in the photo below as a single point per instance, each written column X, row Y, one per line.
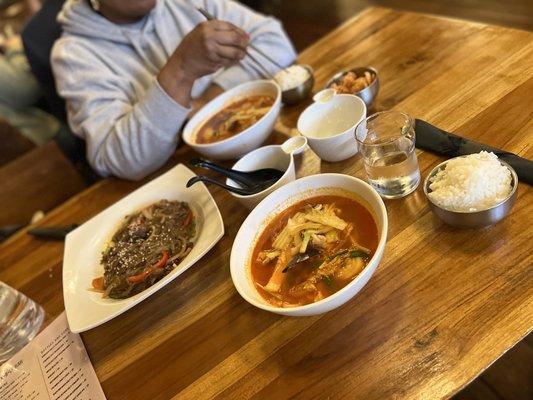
column 265, row 256
column 319, row 241
column 278, row 277
column 307, row 287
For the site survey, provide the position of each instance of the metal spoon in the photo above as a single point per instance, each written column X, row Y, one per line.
column 247, row 178
column 244, row 191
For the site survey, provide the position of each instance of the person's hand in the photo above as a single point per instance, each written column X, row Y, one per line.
column 208, row 47
column 33, row 6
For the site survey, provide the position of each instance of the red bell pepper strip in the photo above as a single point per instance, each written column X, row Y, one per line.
column 187, row 220
column 146, row 273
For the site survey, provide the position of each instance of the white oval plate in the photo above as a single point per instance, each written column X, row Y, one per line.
column 87, row 309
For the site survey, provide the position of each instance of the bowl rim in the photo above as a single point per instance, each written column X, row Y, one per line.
column 514, row 187
column 347, row 131
column 377, row 254
column 262, row 192
column 343, row 72
column 277, row 102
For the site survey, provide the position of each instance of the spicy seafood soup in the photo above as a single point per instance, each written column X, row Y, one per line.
column 234, row 119
column 313, row 249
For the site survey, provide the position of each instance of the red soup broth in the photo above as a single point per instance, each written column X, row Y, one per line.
column 365, row 233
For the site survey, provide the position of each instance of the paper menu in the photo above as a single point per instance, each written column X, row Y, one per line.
column 53, row 366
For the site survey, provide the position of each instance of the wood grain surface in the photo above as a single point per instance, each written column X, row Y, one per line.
column 38, row 180
column 14, row 143
column 443, row 304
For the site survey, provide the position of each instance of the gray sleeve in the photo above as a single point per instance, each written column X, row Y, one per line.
column 125, row 138
column 266, row 33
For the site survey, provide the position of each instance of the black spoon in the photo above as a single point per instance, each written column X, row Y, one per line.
column 244, row 191
column 248, row 178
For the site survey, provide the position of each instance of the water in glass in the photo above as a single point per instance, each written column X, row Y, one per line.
column 20, row 320
column 387, row 142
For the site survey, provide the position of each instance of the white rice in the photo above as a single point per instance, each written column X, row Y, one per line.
column 291, row 77
column 471, row 183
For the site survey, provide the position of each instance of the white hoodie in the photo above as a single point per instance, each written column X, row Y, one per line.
column 107, row 75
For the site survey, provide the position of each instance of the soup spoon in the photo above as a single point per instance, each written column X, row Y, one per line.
column 247, row 178
column 244, row 191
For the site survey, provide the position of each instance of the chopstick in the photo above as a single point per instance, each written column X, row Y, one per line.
column 8, row 230
column 267, row 56
column 210, row 17
column 52, row 232
column 261, row 67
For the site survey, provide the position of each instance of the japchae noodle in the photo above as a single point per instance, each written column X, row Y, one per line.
column 146, row 247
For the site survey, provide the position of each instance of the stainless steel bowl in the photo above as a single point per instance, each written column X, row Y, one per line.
column 473, row 219
column 300, row 92
column 368, row 94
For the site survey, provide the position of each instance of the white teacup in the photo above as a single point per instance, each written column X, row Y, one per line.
column 329, row 124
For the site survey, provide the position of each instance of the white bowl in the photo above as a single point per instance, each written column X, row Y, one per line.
column 248, row 139
column 269, row 157
column 278, row 201
column 329, row 126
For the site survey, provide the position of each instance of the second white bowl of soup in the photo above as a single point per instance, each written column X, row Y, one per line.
column 310, row 246
column 235, row 122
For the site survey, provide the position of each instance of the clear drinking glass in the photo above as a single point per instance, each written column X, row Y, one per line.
column 20, row 320
column 386, row 141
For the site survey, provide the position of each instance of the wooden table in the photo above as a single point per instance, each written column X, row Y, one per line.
column 443, row 304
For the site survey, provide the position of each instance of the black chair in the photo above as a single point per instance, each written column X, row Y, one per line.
column 38, row 37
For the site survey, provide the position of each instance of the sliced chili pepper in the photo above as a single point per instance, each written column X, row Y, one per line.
column 163, row 261
column 187, row 221
column 140, row 277
column 98, row 283
column 146, row 273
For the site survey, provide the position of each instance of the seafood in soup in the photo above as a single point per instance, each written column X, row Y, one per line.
column 146, row 247
column 313, row 249
column 234, row 119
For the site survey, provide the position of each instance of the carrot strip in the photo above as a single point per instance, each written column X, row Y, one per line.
column 146, row 273
column 187, row 220
column 98, row 283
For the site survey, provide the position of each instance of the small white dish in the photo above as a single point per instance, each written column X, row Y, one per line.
column 247, row 140
column 329, row 124
column 300, row 189
column 276, row 156
column 87, row 309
